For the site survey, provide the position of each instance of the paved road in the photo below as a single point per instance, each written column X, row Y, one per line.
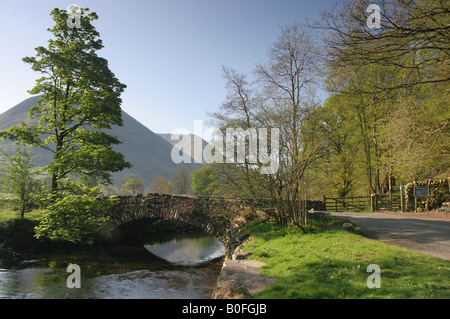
column 429, row 236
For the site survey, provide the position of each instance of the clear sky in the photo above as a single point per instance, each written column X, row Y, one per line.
column 169, row 53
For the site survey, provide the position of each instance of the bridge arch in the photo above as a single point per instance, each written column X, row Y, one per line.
column 215, row 216
column 219, row 217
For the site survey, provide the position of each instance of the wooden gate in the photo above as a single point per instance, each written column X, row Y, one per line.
column 387, row 202
column 359, row 203
column 346, row 204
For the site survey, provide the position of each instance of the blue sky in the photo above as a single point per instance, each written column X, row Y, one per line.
column 169, row 53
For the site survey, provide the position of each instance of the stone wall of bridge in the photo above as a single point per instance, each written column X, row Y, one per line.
column 220, row 217
column 215, row 216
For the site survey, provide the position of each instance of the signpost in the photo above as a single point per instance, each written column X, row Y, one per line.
column 421, row 191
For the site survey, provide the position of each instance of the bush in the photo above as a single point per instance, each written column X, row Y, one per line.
column 17, row 233
column 75, row 219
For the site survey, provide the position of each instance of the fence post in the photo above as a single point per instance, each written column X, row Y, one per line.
column 402, row 200
column 372, row 202
column 390, row 201
column 324, row 203
column 415, row 204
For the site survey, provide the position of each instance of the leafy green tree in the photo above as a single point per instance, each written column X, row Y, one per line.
column 89, row 181
column 395, row 81
column 340, row 168
column 133, row 185
column 395, row 134
column 205, row 181
column 21, row 179
column 75, row 219
column 80, row 101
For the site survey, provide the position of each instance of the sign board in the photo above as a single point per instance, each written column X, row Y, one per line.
column 421, row 191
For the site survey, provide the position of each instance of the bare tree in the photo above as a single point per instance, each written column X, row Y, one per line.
column 181, row 181
column 160, row 185
column 282, row 96
column 413, row 39
column 288, row 81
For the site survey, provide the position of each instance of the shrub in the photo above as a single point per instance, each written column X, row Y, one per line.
column 75, row 219
column 17, row 233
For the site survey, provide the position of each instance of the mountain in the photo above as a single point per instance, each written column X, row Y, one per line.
column 187, row 142
column 148, row 152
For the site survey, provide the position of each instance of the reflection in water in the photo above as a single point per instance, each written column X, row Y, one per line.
column 188, row 251
column 188, row 270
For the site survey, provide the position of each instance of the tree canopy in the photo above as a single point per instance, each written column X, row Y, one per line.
column 80, row 101
column 384, row 122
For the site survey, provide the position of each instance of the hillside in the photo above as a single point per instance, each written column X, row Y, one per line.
column 185, row 142
column 149, row 153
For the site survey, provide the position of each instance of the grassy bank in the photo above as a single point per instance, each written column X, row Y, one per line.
column 330, row 260
column 17, row 233
column 8, row 214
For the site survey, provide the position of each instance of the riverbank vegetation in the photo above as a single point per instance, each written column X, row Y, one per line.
column 73, row 216
column 355, row 112
column 329, row 259
column 80, row 99
column 360, row 110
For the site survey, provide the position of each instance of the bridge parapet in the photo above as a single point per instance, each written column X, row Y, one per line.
column 217, row 216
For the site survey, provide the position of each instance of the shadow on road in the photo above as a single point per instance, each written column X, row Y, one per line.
column 425, row 235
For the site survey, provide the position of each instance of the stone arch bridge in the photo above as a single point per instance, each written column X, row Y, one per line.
column 219, row 217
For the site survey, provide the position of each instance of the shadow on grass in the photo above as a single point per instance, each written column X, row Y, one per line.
column 329, row 261
column 341, row 279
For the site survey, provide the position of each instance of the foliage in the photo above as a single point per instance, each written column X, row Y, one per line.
column 133, row 184
column 385, row 122
column 75, row 219
column 17, row 233
column 160, row 185
column 387, row 119
column 89, row 181
column 21, row 180
column 336, row 172
column 205, row 182
column 69, row 187
column 80, row 100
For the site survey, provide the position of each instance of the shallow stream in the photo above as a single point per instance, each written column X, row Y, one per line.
column 183, row 267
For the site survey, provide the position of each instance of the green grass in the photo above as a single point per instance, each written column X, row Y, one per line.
column 330, row 262
column 17, row 233
column 7, row 214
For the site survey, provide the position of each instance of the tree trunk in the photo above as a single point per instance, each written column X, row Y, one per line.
column 54, row 183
